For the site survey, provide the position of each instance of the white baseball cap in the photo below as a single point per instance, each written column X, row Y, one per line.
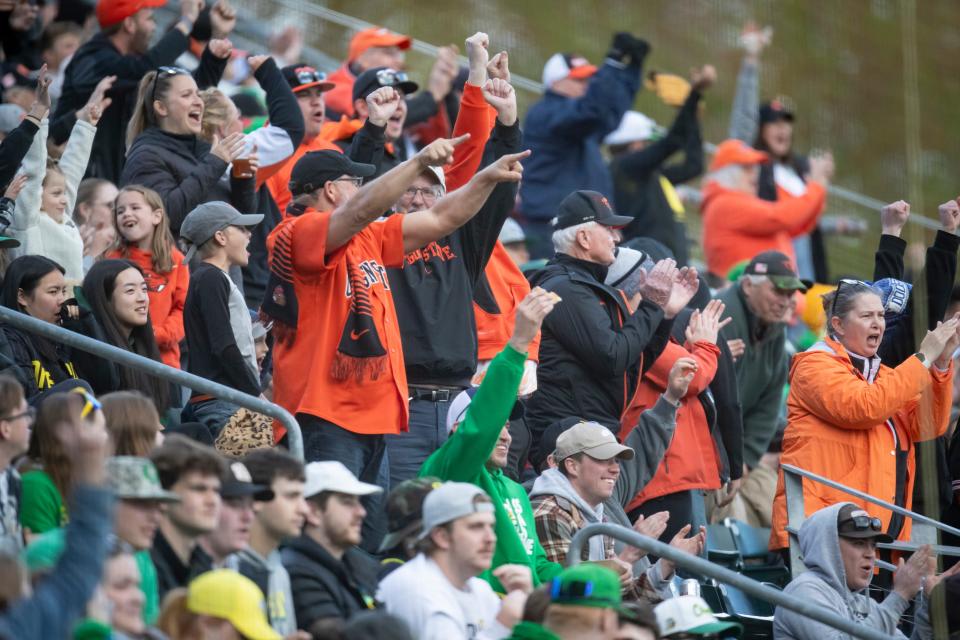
column 634, row 126
column 333, row 476
column 566, row 65
column 511, row 232
column 689, row 614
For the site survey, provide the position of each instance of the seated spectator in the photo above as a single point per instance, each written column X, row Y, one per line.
column 140, row 503
column 331, row 578
column 193, row 472
column 277, row 519
column 839, row 546
column 404, row 520
column 116, row 293
column 133, row 423
column 738, row 224
column 688, row 617
column 457, row 544
column 16, row 419
column 34, row 285
column 93, row 215
column 48, row 477
column 232, row 533
column 219, row 234
column 369, row 48
column 637, row 622
column 375, row 625
column 143, row 237
column 218, row 604
column 845, row 407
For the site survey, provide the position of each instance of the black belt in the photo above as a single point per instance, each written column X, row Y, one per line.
column 434, row 395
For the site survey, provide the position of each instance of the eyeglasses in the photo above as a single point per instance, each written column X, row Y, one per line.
column 90, row 405
column 29, row 413
column 427, row 193
column 166, row 72
column 836, row 292
column 356, row 180
column 308, row 75
column 391, row 78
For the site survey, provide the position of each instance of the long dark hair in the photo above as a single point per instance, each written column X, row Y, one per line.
column 25, row 273
column 98, row 289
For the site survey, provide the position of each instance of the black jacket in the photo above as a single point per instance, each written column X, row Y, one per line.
column 13, row 149
column 324, row 587
column 98, row 59
column 636, row 175
column 171, row 572
column 36, row 363
column 590, row 347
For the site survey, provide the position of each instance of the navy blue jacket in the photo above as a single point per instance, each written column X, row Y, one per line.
column 565, row 135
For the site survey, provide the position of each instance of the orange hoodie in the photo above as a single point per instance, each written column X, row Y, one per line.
column 842, row 427
column 738, row 226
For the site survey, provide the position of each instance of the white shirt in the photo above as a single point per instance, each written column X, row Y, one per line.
column 434, row 609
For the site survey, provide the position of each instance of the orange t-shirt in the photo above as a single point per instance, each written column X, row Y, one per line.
column 310, row 375
column 279, row 181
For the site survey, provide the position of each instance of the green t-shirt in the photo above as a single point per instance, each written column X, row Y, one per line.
column 149, row 586
column 41, row 505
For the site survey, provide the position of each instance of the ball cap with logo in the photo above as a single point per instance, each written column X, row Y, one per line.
column 134, row 478
column 333, row 476
column 777, row 267
column 587, row 206
column 775, row 111
column 566, row 65
column 854, row 522
column 301, row 77
column 691, row 615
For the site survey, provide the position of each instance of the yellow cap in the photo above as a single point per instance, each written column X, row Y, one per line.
column 235, row 598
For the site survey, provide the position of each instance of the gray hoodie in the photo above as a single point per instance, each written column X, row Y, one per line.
column 553, row 483
column 825, row 585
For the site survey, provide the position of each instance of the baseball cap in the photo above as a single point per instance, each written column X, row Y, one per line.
column 775, row 111
column 302, row 76
column 238, row 483
column 736, row 152
column 206, row 219
column 593, row 439
column 511, row 232
column 777, row 267
column 334, row 476
column 376, row 37
column 854, row 522
column 372, row 79
column 634, row 126
column 566, row 65
column 587, row 206
column 548, row 442
column 451, row 501
column 111, row 12
column 10, row 117
column 226, row 594
column 690, row 614
column 316, row 168
column 134, row 478
column 405, row 510
column 586, row 585
column 458, row 408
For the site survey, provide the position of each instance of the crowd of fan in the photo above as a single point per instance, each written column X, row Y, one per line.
column 482, row 356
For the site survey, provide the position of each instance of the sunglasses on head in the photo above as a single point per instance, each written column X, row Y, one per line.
column 836, row 293
column 391, row 78
column 90, row 404
column 560, row 590
column 866, row 523
column 166, row 72
column 308, row 75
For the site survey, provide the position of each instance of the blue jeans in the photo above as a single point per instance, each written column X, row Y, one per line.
column 366, row 458
column 428, row 430
column 213, row 414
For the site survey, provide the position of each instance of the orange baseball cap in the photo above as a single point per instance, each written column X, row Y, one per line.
column 111, row 12
column 736, row 152
column 566, row 65
column 376, row 37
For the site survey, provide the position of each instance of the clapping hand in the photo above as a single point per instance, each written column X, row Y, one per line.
column 652, row 527
column 692, row 545
column 705, row 326
column 685, row 286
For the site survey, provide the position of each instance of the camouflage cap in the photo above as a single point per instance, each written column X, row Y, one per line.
column 405, row 510
column 133, row 478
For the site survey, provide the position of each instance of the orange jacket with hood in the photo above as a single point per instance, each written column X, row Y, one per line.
column 847, row 429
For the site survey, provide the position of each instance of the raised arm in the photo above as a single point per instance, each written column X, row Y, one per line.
column 278, row 140
column 746, row 101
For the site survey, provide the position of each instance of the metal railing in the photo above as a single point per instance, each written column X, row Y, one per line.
column 706, row 568
column 158, row 370
column 793, row 485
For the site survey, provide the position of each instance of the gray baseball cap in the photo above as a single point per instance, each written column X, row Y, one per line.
column 593, row 439
column 208, row 218
column 133, row 478
column 10, row 117
column 451, row 501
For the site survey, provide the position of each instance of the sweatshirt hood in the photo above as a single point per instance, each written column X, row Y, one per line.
column 820, row 546
column 553, row 483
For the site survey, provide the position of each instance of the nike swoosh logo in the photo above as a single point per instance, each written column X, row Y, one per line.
column 356, row 336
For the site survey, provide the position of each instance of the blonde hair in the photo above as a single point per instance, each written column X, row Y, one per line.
column 150, row 89
column 161, row 243
column 216, row 112
column 52, row 167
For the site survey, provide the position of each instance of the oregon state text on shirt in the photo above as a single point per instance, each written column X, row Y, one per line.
column 432, row 250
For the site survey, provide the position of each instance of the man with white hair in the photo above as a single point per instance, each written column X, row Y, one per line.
column 592, row 349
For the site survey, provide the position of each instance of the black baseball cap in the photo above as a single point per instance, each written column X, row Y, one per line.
column 301, row 77
column 548, row 442
column 775, row 111
column 405, row 510
column 777, row 267
column 237, row 483
column 316, row 168
column 854, row 522
column 372, row 79
column 587, row 206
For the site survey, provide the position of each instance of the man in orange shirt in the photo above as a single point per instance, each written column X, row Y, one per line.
column 343, row 372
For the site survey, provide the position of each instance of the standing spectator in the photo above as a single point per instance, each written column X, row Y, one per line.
column 143, row 237
column 140, row 504
column 58, row 42
column 643, row 183
column 34, row 285
column 565, row 129
column 738, row 224
column 232, row 533
column 16, row 418
column 94, row 217
column 133, row 423
column 192, row 471
column 276, row 520
column 332, row 579
column 219, row 234
column 845, row 407
column 122, row 49
column 369, row 48
column 593, row 350
column 17, row 131
column 457, row 544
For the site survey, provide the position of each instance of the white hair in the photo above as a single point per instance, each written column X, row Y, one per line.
column 728, row 177
column 563, row 239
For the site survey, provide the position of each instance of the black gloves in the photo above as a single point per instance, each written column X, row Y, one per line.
column 628, row 49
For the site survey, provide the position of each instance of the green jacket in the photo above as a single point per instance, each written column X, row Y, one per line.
column 463, row 458
column 531, row 631
column 761, row 373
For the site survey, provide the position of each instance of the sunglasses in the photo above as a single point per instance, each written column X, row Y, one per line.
column 844, row 281
column 166, row 72
column 865, row 523
column 308, row 75
column 391, row 78
column 90, row 404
